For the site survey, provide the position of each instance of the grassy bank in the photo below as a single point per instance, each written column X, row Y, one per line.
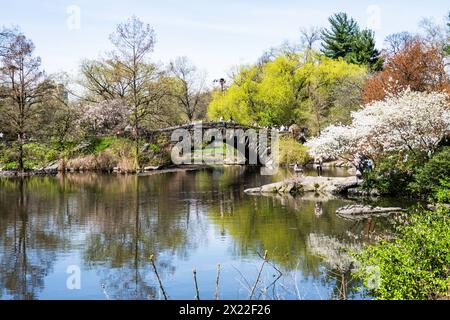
column 99, row 154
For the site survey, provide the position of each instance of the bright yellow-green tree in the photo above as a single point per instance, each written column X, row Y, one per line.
column 334, row 90
column 288, row 89
column 239, row 101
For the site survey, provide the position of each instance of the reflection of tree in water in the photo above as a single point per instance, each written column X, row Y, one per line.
column 286, row 226
column 162, row 215
column 116, row 222
column 280, row 225
column 150, row 219
column 29, row 239
column 338, row 261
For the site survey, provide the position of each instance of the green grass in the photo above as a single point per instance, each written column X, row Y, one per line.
column 101, row 144
column 10, row 166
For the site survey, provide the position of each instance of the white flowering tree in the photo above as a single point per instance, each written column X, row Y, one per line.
column 411, row 121
column 105, row 117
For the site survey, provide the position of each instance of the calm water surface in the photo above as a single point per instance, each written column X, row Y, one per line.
column 108, row 226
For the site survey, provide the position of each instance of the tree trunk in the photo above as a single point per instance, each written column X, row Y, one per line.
column 136, row 144
column 21, row 166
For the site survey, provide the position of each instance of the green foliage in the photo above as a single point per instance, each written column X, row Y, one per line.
column 291, row 151
column 289, row 90
column 364, row 51
column 8, row 155
column 392, row 175
column 155, row 148
column 416, row 265
column 345, row 40
column 10, row 166
column 417, row 176
column 442, row 193
column 338, row 41
column 121, row 147
column 447, row 45
column 38, row 153
column 97, row 145
column 428, row 178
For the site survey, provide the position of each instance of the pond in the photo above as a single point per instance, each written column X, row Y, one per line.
column 103, row 229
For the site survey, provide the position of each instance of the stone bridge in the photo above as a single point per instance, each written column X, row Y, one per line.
column 254, row 143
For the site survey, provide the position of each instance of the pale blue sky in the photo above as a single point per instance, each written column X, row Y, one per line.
column 216, row 35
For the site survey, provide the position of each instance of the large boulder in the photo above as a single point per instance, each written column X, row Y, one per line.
column 285, row 187
column 328, row 185
column 333, row 185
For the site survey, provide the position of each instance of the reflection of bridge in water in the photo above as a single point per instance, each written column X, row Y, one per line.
column 253, row 143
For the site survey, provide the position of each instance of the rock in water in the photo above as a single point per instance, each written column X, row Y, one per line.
column 151, row 168
column 325, row 185
column 357, row 211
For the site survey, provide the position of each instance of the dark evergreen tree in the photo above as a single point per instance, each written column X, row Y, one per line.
column 338, row 41
column 447, row 45
column 364, row 51
column 345, row 40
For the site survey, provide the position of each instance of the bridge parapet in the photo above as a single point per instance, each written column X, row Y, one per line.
column 204, row 126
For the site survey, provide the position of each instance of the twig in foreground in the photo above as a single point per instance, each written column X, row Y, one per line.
column 259, row 275
column 152, row 260
column 197, row 292
column 216, row 292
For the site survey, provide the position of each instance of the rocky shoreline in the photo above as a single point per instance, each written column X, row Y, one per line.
column 54, row 170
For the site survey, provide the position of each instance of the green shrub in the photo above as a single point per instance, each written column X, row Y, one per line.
column 291, row 151
column 10, row 166
column 442, row 194
column 123, row 148
column 428, row 177
column 39, row 155
column 8, row 155
column 416, row 265
column 392, row 175
column 97, row 145
column 155, row 148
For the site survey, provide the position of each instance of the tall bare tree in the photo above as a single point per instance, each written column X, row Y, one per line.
column 134, row 41
column 395, row 42
column 434, row 32
column 6, row 36
column 309, row 36
column 22, row 89
column 128, row 75
column 189, row 87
